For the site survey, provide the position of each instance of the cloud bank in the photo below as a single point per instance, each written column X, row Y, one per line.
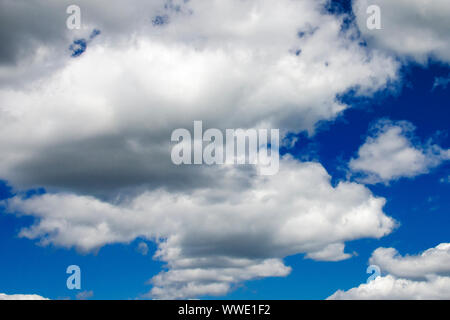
column 209, row 244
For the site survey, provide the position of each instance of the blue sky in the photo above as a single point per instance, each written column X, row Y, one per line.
column 116, row 269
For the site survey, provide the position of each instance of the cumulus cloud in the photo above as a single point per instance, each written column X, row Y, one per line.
column 211, row 245
column 411, row 28
column 391, row 152
column 21, row 297
column 434, row 261
column 391, row 288
column 422, row 276
column 94, row 131
column 89, row 131
column 332, row 252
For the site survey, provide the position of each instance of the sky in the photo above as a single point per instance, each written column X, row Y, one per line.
column 86, row 117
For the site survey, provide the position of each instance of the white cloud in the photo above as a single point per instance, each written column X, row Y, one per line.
column 209, row 245
column 231, row 64
column 21, row 297
column 332, row 252
column 391, row 288
column 95, row 132
column 413, row 28
column 391, row 152
column 193, row 279
column 434, row 261
column 422, row 276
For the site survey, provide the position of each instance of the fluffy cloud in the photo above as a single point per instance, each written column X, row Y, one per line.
column 391, row 288
column 390, row 153
column 82, row 127
column 210, row 245
column 95, row 132
column 422, row 276
column 413, row 28
column 21, row 297
column 434, row 261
